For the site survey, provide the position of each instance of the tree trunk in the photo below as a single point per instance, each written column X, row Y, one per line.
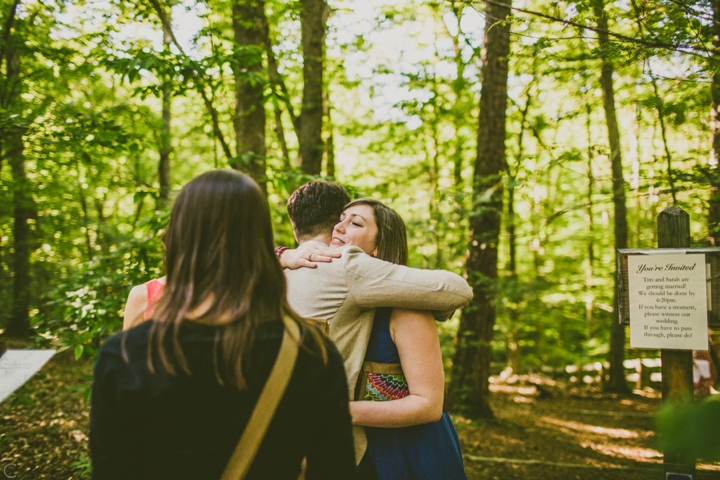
column 513, row 345
column 616, row 382
column 101, row 228
column 714, row 203
column 459, row 87
column 635, row 184
column 8, row 24
column 660, row 108
column 86, row 217
column 249, row 121
column 589, row 280
column 313, row 47
column 19, row 322
column 330, row 140
column 280, row 133
column 165, row 136
column 471, row 367
column 432, row 154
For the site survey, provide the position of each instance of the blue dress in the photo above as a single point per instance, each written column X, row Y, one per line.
column 422, row 452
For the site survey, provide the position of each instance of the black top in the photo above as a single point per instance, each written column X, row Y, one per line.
column 159, row 426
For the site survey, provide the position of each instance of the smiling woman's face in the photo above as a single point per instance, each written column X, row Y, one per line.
column 357, row 227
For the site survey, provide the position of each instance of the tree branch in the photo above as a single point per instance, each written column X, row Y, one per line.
column 693, row 50
column 276, row 80
column 215, row 123
column 5, row 85
column 166, row 23
column 198, row 76
column 7, row 28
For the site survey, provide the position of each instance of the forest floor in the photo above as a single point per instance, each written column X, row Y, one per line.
column 567, row 435
column 576, row 434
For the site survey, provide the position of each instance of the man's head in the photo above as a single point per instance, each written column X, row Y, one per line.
column 315, row 208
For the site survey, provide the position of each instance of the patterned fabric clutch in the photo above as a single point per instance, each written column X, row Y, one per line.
column 381, row 382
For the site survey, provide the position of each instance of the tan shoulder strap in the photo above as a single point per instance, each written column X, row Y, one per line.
column 267, row 403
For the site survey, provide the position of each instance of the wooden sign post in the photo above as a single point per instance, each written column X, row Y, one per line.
column 670, row 296
column 677, row 365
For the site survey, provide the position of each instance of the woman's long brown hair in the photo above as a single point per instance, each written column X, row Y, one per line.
column 219, row 254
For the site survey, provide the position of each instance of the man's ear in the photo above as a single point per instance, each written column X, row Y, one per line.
column 375, row 252
column 295, row 235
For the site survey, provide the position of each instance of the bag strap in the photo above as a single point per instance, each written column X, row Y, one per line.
column 376, row 367
column 267, row 403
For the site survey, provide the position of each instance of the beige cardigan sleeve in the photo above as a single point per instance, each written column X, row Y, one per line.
column 376, row 283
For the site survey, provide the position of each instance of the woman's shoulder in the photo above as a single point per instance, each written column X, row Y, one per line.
column 138, row 293
column 135, row 305
column 141, row 293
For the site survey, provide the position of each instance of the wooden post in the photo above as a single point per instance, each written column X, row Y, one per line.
column 673, row 226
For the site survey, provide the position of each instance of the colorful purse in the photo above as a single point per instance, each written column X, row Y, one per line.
column 381, row 382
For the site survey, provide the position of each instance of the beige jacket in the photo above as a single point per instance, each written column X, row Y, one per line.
column 345, row 292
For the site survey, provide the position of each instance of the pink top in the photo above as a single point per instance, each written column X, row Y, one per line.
column 154, row 289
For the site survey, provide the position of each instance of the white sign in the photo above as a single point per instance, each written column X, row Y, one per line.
column 17, row 366
column 668, row 303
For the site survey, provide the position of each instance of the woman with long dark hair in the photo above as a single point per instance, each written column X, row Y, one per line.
column 172, row 396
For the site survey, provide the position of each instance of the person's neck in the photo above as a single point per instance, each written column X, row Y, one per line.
column 325, row 239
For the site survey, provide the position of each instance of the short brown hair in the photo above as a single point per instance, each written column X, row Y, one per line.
column 391, row 240
column 315, row 208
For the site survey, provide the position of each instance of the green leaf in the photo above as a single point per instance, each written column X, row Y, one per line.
column 139, row 195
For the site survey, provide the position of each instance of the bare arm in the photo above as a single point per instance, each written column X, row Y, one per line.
column 135, row 306
column 415, row 335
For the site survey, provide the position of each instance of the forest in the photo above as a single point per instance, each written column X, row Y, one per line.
column 522, row 142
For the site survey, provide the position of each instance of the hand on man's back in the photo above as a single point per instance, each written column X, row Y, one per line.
column 307, row 254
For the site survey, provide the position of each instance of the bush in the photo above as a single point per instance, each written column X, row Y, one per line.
column 691, row 430
column 86, row 307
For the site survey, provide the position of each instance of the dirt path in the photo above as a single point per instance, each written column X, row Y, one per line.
column 44, row 424
column 580, row 435
column 43, row 432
